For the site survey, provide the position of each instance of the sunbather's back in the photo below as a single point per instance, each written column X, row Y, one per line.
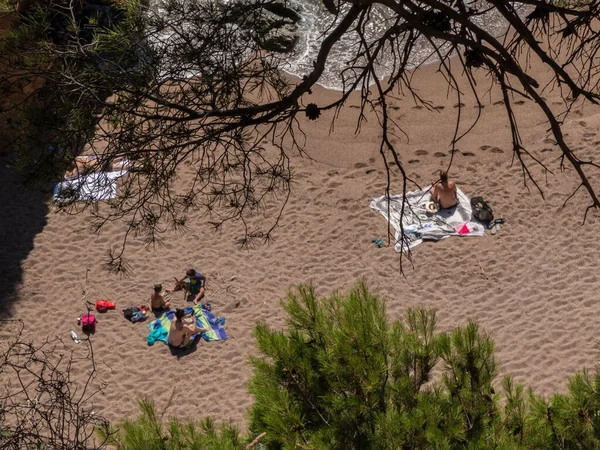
column 444, row 192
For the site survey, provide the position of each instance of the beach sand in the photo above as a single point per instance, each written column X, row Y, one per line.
column 534, row 286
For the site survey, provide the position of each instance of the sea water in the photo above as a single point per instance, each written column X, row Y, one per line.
column 316, row 21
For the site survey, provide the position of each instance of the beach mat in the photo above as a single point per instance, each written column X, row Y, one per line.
column 89, row 187
column 159, row 328
column 420, row 224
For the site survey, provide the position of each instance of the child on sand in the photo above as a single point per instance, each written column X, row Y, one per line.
column 158, row 302
column 194, row 283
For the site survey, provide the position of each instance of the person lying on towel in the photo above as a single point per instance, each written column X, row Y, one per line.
column 86, row 164
column 182, row 329
column 194, row 283
column 443, row 192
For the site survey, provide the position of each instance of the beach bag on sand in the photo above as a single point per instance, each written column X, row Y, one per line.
column 104, row 305
column 481, row 210
column 135, row 314
column 88, row 323
column 128, row 313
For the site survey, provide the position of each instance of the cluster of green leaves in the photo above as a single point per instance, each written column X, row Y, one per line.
column 343, row 377
column 147, row 432
column 44, row 60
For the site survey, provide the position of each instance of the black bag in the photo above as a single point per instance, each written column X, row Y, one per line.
column 130, row 312
column 481, row 210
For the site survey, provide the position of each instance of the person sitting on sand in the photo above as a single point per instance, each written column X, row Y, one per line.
column 182, row 329
column 158, row 302
column 443, row 192
column 194, row 283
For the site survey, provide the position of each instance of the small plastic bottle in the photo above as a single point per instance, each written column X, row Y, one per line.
column 75, row 337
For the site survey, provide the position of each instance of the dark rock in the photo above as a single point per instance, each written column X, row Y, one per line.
column 281, row 10
column 280, row 39
column 273, row 27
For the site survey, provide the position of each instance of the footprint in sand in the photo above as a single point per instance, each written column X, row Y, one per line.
column 496, row 150
column 414, row 161
column 546, row 150
column 417, row 107
column 588, row 135
column 459, row 105
column 421, row 152
column 499, row 102
column 484, row 147
column 455, row 150
column 557, row 103
column 582, row 123
column 354, row 106
column 549, row 141
column 359, row 165
column 469, row 154
column 395, row 107
column 371, row 160
column 439, row 154
column 520, row 102
column 439, row 108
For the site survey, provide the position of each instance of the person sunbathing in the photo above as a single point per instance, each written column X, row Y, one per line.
column 182, row 329
column 87, row 164
column 444, row 192
column 158, row 302
column 194, row 283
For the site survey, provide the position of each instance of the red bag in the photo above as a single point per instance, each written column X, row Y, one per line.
column 104, row 305
column 88, row 323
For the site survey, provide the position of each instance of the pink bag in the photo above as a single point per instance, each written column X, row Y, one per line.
column 88, row 323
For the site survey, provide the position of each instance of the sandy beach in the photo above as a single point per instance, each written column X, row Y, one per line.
column 534, row 286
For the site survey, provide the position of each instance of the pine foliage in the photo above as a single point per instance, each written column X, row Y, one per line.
column 343, row 377
column 147, row 432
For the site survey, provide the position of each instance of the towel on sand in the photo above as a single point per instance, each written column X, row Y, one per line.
column 92, row 186
column 420, row 224
column 159, row 328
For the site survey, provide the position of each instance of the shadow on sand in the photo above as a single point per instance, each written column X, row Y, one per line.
column 191, row 348
column 22, row 217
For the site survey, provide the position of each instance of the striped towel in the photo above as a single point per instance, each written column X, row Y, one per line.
column 159, row 328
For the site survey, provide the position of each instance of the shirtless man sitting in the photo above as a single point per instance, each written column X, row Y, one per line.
column 443, row 192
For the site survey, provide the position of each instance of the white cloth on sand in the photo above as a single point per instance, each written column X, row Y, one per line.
column 90, row 187
column 421, row 224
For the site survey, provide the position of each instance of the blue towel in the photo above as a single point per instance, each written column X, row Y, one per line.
column 159, row 328
column 158, row 334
